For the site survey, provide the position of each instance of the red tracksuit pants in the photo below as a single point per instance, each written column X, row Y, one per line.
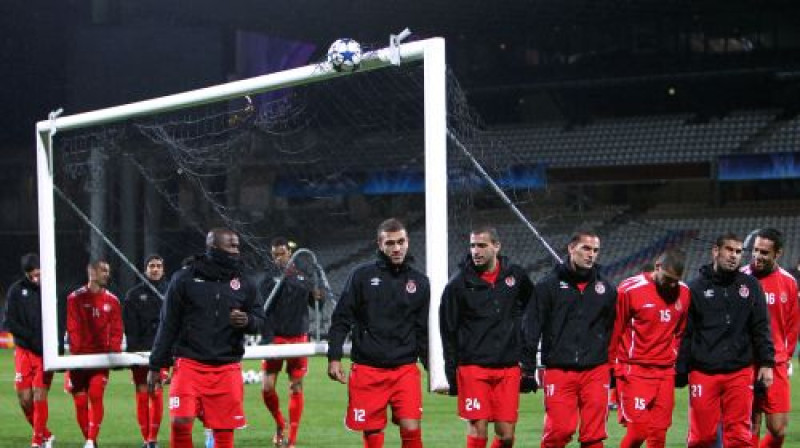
column 725, row 397
column 570, row 394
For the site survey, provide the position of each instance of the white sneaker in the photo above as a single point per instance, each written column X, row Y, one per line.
column 88, row 444
column 49, row 442
column 209, row 438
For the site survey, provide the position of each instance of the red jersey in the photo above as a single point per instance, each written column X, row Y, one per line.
column 780, row 290
column 647, row 329
column 94, row 322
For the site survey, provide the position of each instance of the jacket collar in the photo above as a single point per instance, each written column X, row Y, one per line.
column 27, row 283
column 717, row 277
column 565, row 273
column 472, row 276
column 385, row 262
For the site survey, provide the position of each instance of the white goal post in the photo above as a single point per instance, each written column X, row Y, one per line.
column 432, row 54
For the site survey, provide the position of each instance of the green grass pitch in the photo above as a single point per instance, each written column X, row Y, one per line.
column 322, row 419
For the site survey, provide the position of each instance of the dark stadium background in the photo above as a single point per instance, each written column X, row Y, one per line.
column 520, row 62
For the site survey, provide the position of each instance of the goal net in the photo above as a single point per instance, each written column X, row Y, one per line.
column 314, row 155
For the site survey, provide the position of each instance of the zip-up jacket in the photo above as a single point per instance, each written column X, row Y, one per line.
column 288, row 311
column 481, row 323
column 728, row 327
column 649, row 325
column 24, row 315
column 195, row 318
column 386, row 307
column 141, row 312
column 574, row 326
column 94, row 321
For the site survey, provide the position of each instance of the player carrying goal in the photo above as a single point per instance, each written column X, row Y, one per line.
column 287, row 315
column 208, row 309
column 385, row 303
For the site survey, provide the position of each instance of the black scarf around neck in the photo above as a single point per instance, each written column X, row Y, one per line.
column 217, row 264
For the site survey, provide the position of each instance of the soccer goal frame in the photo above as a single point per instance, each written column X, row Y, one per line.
column 431, row 52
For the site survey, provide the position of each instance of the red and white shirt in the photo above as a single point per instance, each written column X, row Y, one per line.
column 780, row 291
column 647, row 329
column 94, row 322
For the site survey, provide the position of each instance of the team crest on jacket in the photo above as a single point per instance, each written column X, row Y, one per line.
column 600, row 288
column 106, row 307
column 411, row 287
column 511, row 281
column 744, row 291
column 678, row 306
column 235, row 284
column 784, row 298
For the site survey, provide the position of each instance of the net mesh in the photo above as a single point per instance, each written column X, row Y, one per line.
column 321, row 164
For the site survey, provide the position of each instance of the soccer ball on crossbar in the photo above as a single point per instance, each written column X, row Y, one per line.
column 345, row 55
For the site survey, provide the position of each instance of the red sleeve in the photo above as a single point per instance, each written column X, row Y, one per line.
column 73, row 324
column 115, row 339
column 793, row 319
column 619, row 325
column 685, row 299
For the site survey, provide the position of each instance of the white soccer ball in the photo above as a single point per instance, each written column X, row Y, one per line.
column 251, row 376
column 345, row 55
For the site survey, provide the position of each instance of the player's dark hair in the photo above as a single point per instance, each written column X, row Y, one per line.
column 152, row 257
column 390, row 225
column 729, row 236
column 214, row 236
column 580, row 234
column 95, row 263
column 283, row 241
column 29, row 262
column 488, row 229
column 773, row 235
column 674, row 260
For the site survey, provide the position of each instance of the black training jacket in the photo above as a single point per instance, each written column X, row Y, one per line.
column 195, row 318
column 481, row 323
column 141, row 312
column 386, row 307
column 24, row 315
column 574, row 326
column 728, row 324
column 288, row 311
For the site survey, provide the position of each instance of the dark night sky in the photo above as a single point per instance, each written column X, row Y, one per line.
column 33, row 53
column 39, row 36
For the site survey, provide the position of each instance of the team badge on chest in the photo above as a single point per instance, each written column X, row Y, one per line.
column 600, row 288
column 511, row 281
column 106, row 307
column 744, row 291
column 235, row 284
column 411, row 287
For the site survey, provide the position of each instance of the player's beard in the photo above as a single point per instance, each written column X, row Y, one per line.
column 670, row 295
